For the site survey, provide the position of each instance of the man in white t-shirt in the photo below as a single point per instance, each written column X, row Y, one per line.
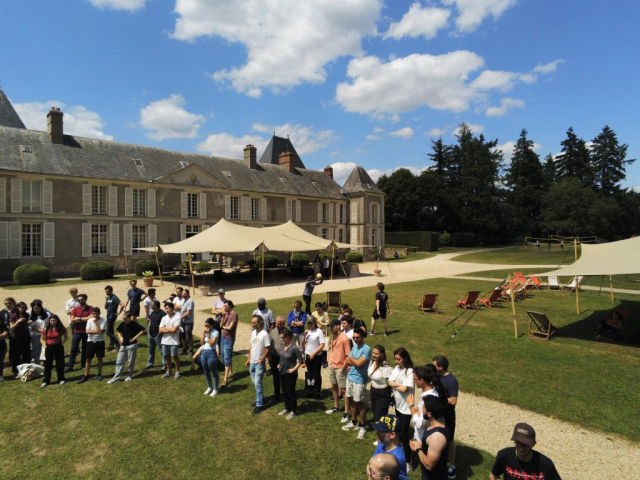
column 148, row 300
column 187, row 315
column 71, row 304
column 170, row 330
column 95, row 343
column 258, row 350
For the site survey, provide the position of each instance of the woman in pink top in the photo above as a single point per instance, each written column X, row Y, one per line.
column 54, row 336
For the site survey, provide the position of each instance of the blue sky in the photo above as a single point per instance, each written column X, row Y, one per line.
column 365, row 82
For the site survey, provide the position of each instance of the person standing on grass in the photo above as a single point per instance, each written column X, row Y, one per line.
column 347, row 327
column 114, row 307
column 387, row 430
column 322, row 319
column 326, row 263
column 5, row 317
column 401, row 380
column 20, row 340
column 39, row 317
column 266, row 314
column 210, row 357
column 309, row 285
column 357, row 362
column 296, row 320
column 128, row 333
column 258, row 350
column 522, row 461
column 432, row 448
column 229, row 325
column 218, row 305
column 313, row 345
column 274, row 355
column 383, row 466
column 134, row 296
column 54, row 336
column 95, row 343
column 153, row 330
column 340, row 349
column 177, row 299
column 379, row 372
column 290, row 361
column 148, row 300
column 4, row 334
column 169, row 329
column 381, row 309
column 79, row 317
column 450, row 386
column 71, row 304
column 187, row 315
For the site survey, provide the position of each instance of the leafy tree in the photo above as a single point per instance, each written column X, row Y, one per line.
column 608, row 160
column 574, row 162
column 550, row 170
column 403, row 204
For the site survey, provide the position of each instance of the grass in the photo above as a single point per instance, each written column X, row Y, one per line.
column 529, row 255
column 412, row 257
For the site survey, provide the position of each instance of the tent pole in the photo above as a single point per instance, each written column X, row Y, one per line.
column 193, row 280
column 575, row 248
column 333, row 255
column 158, row 264
column 513, row 307
column 263, row 263
column 611, row 286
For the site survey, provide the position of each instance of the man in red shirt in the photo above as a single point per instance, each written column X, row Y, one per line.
column 79, row 317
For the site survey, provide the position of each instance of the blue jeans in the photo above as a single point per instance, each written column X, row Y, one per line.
column 210, row 366
column 113, row 340
column 257, row 373
column 78, row 340
column 153, row 343
column 227, row 351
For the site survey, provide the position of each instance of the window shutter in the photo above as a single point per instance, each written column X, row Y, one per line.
column 382, row 210
column 47, row 194
column 4, row 239
column 289, row 209
column 86, row 204
column 183, row 235
column 227, row 206
column 16, row 196
column 354, row 236
column 263, row 209
column 153, row 235
column 330, row 208
column 183, row 204
column 319, row 212
column 128, row 202
column 48, row 248
column 151, row 202
column 378, row 242
column 354, row 212
column 330, row 233
column 3, row 194
column 298, row 211
column 203, row 205
column 369, row 237
column 206, row 256
column 371, row 219
column 319, row 232
column 15, row 248
column 245, row 208
column 114, row 240
column 127, row 234
column 86, row 239
column 113, row 201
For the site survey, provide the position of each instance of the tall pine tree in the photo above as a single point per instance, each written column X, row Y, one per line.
column 574, row 162
column 608, row 160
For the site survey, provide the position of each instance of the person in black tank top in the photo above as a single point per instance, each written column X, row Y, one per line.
column 432, row 450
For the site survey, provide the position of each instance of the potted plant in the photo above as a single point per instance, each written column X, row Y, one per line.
column 376, row 271
column 147, row 278
column 202, row 268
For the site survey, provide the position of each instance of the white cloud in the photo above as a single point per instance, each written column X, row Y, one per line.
column 341, row 171
column 500, row 80
column 395, row 118
column 475, row 129
column 505, row 104
column 372, row 136
column 230, row 146
column 435, row 132
column 377, row 134
column 406, row 132
column 419, row 21
column 335, row 153
column 129, row 5
column 548, row 67
column 167, row 119
column 78, row 120
column 507, row 149
column 375, row 173
column 288, row 42
column 471, row 13
column 305, row 139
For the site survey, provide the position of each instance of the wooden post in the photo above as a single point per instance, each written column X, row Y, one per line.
column 126, row 263
column 513, row 307
column 158, row 264
column 263, row 263
column 333, row 255
column 575, row 248
column 193, row 280
column 611, row 286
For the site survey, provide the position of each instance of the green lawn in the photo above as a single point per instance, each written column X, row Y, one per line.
column 412, row 256
column 529, row 255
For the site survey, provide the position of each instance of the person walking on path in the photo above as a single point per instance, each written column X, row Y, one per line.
column 290, row 361
column 229, row 325
column 309, row 285
column 340, row 349
column 380, row 310
column 357, row 362
column 54, row 336
column 450, row 385
column 95, row 343
column 170, row 330
column 258, row 350
column 128, row 333
column 114, row 307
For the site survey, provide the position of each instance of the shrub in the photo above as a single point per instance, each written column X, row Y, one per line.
column 425, row 241
column 148, row 264
column 299, row 260
column 445, row 238
column 202, row 267
column 464, row 239
column 270, row 261
column 31, row 275
column 96, row 271
column 354, row 257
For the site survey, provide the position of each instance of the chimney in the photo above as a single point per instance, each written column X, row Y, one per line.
column 288, row 161
column 250, row 156
column 54, row 126
column 328, row 171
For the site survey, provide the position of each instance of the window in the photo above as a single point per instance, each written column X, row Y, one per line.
column 31, row 240
column 138, row 238
column 137, row 162
column 325, row 207
column 373, row 237
column 98, row 200
column 98, row 239
column 191, row 230
column 374, row 212
column 324, row 233
column 184, row 164
column 192, row 205
column 26, row 148
column 226, row 174
column 255, row 209
column 31, row 196
column 234, row 211
column 139, row 202
column 340, row 234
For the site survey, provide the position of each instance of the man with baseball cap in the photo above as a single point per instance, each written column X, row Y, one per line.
column 387, row 429
column 522, row 461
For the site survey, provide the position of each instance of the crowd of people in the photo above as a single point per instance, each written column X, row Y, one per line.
column 280, row 345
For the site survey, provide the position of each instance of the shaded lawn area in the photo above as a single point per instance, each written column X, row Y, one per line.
column 529, row 255
column 412, row 256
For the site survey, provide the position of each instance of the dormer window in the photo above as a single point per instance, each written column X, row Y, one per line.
column 184, row 164
column 138, row 162
column 226, row 174
column 26, row 149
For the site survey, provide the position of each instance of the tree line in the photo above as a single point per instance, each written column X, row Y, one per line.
column 470, row 188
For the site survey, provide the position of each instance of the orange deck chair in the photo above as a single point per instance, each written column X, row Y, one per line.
column 536, row 282
column 493, row 300
column 429, row 303
column 470, row 300
column 540, row 327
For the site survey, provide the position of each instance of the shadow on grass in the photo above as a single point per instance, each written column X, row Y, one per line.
column 466, row 459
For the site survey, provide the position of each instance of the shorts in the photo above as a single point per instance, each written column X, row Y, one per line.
column 337, row 376
column 450, row 421
column 170, row 350
column 383, row 314
column 134, row 310
column 95, row 349
column 355, row 391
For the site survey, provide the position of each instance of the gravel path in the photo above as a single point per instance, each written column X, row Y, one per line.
column 483, row 423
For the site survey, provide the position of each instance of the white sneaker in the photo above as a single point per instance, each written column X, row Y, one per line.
column 375, row 444
column 409, row 468
column 345, row 419
column 113, row 380
column 331, row 410
column 177, row 375
column 208, row 391
column 43, row 385
column 166, row 374
column 62, row 382
column 214, row 393
column 283, row 412
column 290, row 416
column 361, row 433
column 350, row 426
column 128, row 379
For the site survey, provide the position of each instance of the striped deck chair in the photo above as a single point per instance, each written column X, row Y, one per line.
column 492, row 300
column 470, row 300
column 429, row 303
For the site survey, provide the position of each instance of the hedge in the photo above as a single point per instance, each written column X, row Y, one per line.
column 31, row 275
column 270, row 261
column 146, row 265
column 425, row 241
column 96, row 271
column 464, row 239
column 354, row 257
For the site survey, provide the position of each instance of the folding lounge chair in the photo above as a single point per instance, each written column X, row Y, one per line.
column 575, row 281
column 614, row 335
column 519, row 275
column 540, row 327
column 429, row 303
column 536, row 282
column 493, row 300
column 334, row 300
column 469, row 300
column 553, row 283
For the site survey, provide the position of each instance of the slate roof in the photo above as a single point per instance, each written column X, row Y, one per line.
column 359, row 181
column 8, row 115
column 92, row 158
column 278, row 145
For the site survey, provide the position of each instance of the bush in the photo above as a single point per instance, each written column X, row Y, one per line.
column 96, row 271
column 146, row 265
column 299, row 260
column 202, row 267
column 445, row 238
column 270, row 261
column 31, row 275
column 464, row 239
column 354, row 257
column 425, row 241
